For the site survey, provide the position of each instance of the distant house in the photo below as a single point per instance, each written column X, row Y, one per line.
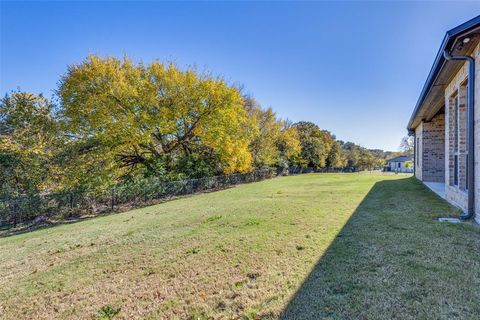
column 446, row 121
column 400, row 164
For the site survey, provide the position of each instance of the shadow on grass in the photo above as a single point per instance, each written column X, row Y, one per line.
column 392, row 260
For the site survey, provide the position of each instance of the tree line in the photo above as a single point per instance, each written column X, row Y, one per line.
column 114, row 121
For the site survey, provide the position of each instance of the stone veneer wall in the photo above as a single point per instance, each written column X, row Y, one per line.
column 433, row 144
column 456, row 197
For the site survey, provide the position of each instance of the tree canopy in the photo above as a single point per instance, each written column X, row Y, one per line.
column 28, row 142
column 114, row 120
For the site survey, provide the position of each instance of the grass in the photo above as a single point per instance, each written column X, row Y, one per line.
column 334, row 246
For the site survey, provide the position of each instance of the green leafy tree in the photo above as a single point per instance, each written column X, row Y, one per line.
column 336, row 157
column 264, row 146
column 406, row 145
column 361, row 158
column 29, row 140
column 312, row 142
column 351, row 152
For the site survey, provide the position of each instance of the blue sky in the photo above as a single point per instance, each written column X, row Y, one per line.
column 354, row 68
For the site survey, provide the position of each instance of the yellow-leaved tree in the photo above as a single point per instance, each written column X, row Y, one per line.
column 289, row 144
column 128, row 119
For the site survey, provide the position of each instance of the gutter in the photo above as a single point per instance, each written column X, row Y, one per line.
column 448, row 41
column 470, row 127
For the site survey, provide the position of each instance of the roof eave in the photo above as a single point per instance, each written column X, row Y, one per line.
column 438, row 64
column 434, row 71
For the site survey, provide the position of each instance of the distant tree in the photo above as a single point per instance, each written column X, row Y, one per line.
column 264, row 145
column 336, row 158
column 275, row 142
column 362, row 158
column 351, row 152
column 311, row 140
column 328, row 142
column 379, row 153
column 289, row 145
column 406, row 145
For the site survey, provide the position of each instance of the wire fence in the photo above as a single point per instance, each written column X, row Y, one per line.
column 36, row 209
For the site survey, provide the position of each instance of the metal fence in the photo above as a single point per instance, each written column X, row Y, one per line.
column 398, row 170
column 35, row 208
column 60, row 206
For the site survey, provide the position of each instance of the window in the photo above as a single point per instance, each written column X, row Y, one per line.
column 399, row 165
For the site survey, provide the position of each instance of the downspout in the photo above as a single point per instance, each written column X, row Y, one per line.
column 470, row 125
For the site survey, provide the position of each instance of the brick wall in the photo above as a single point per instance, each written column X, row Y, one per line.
column 476, row 54
column 457, row 137
column 458, row 194
column 430, row 140
column 450, row 143
column 462, row 135
column 433, row 145
column 419, row 151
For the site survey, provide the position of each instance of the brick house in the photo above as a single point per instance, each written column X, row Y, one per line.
column 446, row 121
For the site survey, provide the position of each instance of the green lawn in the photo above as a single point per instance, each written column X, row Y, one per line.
column 338, row 246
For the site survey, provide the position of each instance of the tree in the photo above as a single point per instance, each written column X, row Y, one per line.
column 289, row 145
column 28, row 141
column 361, row 158
column 267, row 133
column 406, row 145
column 275, row 142
column 311, row 140
column 351, row 153
column 336, row 157
column 117, row 120
column 129, row 119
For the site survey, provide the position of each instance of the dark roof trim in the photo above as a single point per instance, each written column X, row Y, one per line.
column 401, row 159
column 447, row 42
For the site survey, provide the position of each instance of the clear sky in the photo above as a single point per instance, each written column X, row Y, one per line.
column 354, row 68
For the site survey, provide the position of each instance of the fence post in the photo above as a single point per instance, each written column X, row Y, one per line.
column 113, row 198
column 14, row 213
